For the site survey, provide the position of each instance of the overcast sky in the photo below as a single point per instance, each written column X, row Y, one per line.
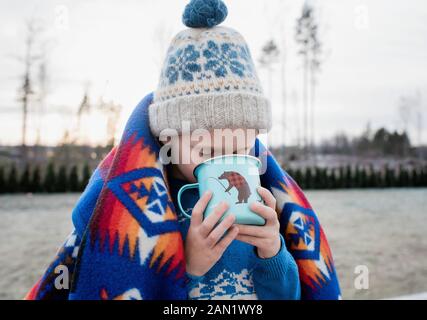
column 374, row 52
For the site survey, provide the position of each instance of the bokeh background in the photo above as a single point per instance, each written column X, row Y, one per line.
column 348, row 88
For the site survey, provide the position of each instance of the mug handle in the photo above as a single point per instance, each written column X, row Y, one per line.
column 183, row 188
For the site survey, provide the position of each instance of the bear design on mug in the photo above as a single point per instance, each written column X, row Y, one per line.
column 236, row 180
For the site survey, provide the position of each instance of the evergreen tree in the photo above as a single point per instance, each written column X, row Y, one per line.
column 403, row 177
column 318, row 177
column 332, row 181
column 390, row 178
column 308, row 179
column 36, row 181
column 341, row 178
column 2, row 181
column 424, row 177
column 324, row 178
column 363, row 178
column 85, row 176
column 348, row 179
column 379, row 179
column 62, row 180
column 12, row 181
column 359, row 176
column 415, row 177
column 73, row 180
column 399, row 178
column 24, row 182
column 411, row 177
column 299, row 179
column 49, row 184
column 356, row 177
column 372, row 178
column 420, row 176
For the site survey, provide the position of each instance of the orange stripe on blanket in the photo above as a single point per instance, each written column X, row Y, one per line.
column 170, row 246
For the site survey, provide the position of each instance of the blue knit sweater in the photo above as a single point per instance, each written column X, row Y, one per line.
column 240, row 273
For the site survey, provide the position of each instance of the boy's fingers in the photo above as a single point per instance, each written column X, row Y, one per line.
column 210, row 221
column 199, row 208
column 249, row 239
column 228, row 238
column 255, row 231
column 268, row 197
column 269, row 215
column 219, row 230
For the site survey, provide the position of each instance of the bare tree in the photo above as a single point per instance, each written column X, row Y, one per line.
column 33, row 31
column 112, row 111
column 269, row 56
column 43, row 90
column 419, row 119
column 410, row 114
column 297, row 119
column 314, row 68
column 282, row 9
column 283, row 88
column 405, row 111
column 161, row 39
column 306, row 36
column 84, row 108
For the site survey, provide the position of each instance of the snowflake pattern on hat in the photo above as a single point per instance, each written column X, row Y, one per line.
column 183, row 64
column 221, row 59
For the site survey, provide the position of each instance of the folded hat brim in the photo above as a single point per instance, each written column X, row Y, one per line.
column 211, row 111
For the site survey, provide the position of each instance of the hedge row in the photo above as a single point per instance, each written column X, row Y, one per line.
column 359, row 177
column 73, row 179
column 52, row 180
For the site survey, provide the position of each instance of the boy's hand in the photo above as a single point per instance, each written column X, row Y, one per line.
column 266, row 238
column 203, row 247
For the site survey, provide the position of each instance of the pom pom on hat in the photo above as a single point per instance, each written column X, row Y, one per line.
column 204, row 13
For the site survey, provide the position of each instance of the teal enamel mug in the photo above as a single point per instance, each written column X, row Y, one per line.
column 231, row 178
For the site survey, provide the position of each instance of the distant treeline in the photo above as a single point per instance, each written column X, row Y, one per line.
column 52, row 179
column 74, row 179
column 380, row 142
column 359, row 177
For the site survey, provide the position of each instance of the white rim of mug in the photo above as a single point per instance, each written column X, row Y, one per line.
column 226, row 156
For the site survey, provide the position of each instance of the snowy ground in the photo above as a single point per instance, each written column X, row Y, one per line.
column 384, row 230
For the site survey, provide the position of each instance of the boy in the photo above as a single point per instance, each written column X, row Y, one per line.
column 209, row 80
column 257, row 265
column 127, row 242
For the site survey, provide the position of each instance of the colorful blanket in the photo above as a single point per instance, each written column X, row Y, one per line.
column 126, row 243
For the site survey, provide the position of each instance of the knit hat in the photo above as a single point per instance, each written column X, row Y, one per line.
column 208, row 77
